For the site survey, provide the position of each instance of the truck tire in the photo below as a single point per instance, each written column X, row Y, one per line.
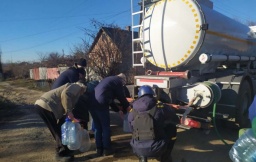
column 244, row 101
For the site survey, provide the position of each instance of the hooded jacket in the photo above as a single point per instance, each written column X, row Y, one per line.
column 164, row 116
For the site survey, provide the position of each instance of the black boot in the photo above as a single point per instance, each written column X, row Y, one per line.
column 63, row 156
column 99, row 152
column 107, row 152
column 143, row 159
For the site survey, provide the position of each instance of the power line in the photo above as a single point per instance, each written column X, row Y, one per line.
column 49, row 18
column 69, row 11
column 60, row 17
column 43, row 32
column 41, row 44
column 56, row 29
column 228, row 10
column 55, row 20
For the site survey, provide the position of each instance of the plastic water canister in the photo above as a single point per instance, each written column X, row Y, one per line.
column 64, row 131
column 85, row 141
column 126, row 125
column 244, row 149
column 74, row 139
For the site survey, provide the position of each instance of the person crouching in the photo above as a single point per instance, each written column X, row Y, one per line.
column 153, row 127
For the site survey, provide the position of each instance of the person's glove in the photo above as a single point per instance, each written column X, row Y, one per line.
column 71, row 117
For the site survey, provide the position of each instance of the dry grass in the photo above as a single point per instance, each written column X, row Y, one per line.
column 41, row 85
column 13, row 93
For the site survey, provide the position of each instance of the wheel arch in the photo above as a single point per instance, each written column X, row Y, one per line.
column 251, row 83
column 243, row 103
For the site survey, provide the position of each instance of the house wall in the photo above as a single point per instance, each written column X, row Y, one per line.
column 121, row 45
column 108, row 58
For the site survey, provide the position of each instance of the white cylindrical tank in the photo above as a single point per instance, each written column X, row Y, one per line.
column 176, row 32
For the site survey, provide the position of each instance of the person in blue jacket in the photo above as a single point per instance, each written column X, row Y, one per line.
column 106, row 91
column 166, row 119
column 71, row 75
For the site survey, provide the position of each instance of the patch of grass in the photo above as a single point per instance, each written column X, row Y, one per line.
column 41, row 85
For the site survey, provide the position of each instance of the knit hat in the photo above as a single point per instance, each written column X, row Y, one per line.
column 121, row 75
column 82, row 62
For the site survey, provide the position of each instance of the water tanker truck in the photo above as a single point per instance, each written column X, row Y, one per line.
column 193, row 54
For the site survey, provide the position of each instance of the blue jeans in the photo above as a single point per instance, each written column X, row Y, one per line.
column 101, row 120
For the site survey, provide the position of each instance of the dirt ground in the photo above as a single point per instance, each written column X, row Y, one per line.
column 24, row 137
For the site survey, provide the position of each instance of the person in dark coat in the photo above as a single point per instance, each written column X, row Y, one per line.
column 106, row 91
column 161, row 147
column 71, row 75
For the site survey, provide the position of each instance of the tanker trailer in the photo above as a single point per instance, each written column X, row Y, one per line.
column 192, row 54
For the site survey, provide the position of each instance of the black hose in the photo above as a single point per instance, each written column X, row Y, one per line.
column 214, row 124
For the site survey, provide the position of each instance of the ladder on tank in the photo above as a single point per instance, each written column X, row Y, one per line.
column 136, row 42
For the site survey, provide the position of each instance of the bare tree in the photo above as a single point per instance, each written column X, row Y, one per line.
column 54, row 59
column 104, row 58
column 110, row 52
column 17, row 70
column 80, row 51
column 42, row 57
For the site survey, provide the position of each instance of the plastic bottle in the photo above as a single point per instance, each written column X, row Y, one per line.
column 74, row 139
column 126, row 126
column 85, row 141
column 64, row 131
column 244, row 148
